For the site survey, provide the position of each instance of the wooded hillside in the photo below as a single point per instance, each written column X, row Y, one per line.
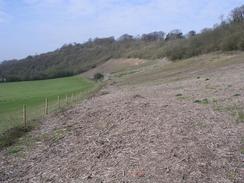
column 76, row 58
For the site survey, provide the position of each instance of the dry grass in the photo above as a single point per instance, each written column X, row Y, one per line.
column 115, row 66
column 143, row 133
column 174, row 71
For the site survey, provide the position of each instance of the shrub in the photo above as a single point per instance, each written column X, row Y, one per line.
column 98, row 76
column 241, row 44
column 229, row 43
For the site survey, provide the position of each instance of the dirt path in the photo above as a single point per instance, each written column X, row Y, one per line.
column 153, row 133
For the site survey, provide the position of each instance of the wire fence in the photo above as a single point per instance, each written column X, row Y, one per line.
column 26, row 114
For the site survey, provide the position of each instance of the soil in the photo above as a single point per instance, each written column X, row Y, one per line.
column 115, row 65
column 142, row 133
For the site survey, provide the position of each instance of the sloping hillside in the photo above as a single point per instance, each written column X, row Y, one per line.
column 183, row 124
column 73, row 59
column 115, row 66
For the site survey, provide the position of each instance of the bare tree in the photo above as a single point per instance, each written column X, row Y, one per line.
column 174, row 34
column 191, row 34
column 107, row 40
column 237, row 15
column 126, row 37
column 153, row 36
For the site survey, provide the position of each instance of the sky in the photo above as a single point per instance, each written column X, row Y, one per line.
column 29, row 27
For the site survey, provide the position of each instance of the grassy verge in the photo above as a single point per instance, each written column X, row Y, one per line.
column 10, row 136
column 168, row 72
column 70, row 90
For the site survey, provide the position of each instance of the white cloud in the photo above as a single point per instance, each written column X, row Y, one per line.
column 47, row 24
column 3, row 15
column 104, row 17
column 160, row 15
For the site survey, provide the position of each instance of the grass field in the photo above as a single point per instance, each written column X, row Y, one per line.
column 33, row 94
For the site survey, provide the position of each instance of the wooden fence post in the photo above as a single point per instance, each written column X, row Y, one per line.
column 66, row 100
column 72, row 97
column 46, row 106
column 75, row 98
column 59, row 102
column 24, row 116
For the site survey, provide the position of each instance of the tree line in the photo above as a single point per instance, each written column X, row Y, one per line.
column 76, row 58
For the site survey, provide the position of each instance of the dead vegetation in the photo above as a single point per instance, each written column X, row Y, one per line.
column 149, row 132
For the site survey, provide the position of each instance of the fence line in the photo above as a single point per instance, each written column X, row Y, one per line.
column 24, row 116
column 59, row 102
column 27, row 114
column 51, row 106
column 46, row 106
column 66, row 100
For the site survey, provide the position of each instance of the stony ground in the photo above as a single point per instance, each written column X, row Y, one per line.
column 189, row 130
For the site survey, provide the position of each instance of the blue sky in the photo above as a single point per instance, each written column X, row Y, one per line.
column 30, row 27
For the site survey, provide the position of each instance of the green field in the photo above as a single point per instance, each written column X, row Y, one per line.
column 33, row 94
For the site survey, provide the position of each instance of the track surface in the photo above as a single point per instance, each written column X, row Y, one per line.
column 144, row 133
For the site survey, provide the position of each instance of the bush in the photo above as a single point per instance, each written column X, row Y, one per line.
column 241, row 44
column 98, row 76
column 229, row 43
column 73, row 59
column 12, row 135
